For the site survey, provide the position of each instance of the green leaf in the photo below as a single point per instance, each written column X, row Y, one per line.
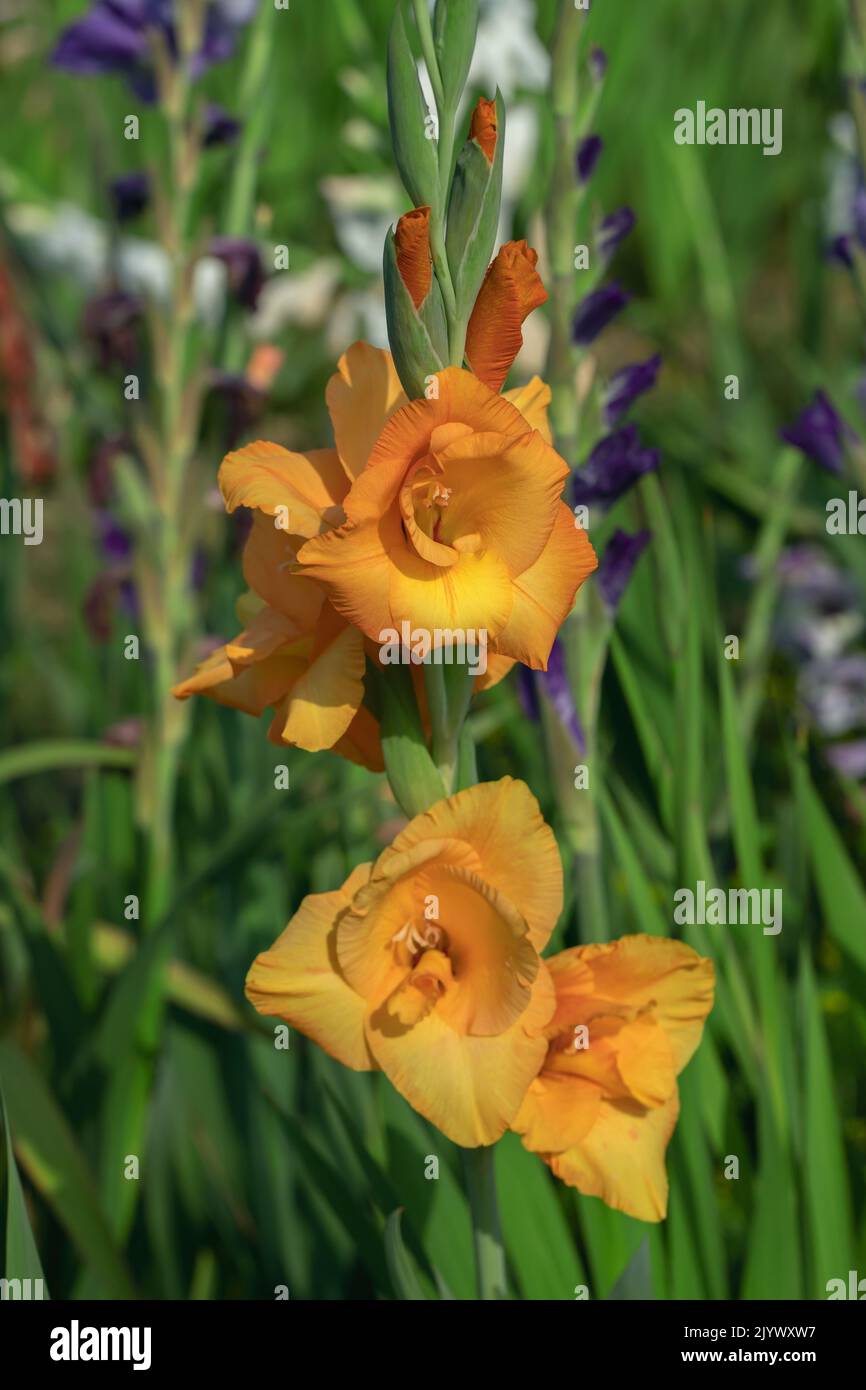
column 541, row 1252
column 21, row 1256
column 400, row 1266
column 50, row 1155
column 611, row 1239
column 54, row 754
column 774, row 1261
column 418, row 340
column 648, row 914
column 414, row 153
column 636, row 1281
column 473, row 215
column 412, row 773
column 843, row 899
column 828, row 1200
column 455, row 24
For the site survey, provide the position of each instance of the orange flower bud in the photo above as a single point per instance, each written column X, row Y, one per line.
column 412, row 241
column 512, row 288
column 482, row 128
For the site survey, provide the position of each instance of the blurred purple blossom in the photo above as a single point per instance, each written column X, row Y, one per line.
column 617, row 563
column 527, row 693
column 626, row 385
column 612, row 231
column 111, row 324
column 243, row 263
column 588, row 154
column 820, row 433
column 130, row 195
column 834, row 693
column 819, row 608
column 595, row 312
column 848, row 758
column 115, row 37
column 115, row 543
column 220, row 127
column 598, row 63
column 556, row 686
column 614, row 465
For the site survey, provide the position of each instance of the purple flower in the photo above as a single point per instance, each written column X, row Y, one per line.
column 130, row 195
column 613, row 230
column 848, row 758
column 627, row 384
column 220, row 128
column 614, row 465
column 527, row 693
column 819, row 609
column 834, row 693
column 557, row 687
column 111, row 323
column 111, row 37
column 114, row 36
column 242, row 403
column 114, row 542
column 588, row 152
column 820, row 432
column 598, row 63
column 596, row 311
column 840, row 250
column 618, row 561
column 244, row 268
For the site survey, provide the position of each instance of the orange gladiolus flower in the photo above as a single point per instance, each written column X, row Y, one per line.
column 296, row 654
column 426, row 964
column 629, row 1015
column 511, row 289
column 454, row 518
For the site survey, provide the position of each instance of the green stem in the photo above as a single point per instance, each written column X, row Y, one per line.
column 428, row 48
column 480, row 1174
column 170, row 619
column 445, row 118
column 561, row 218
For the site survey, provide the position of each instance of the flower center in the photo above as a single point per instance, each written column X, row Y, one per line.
column 411, row 941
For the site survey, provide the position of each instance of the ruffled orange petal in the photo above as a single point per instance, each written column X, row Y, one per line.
column 362, row 394
column 269, row 563
column 498, row 668
column 511, row 289
column 326, row 698
column 533, row 400
column 310, row 487
column 297, row 980
column 622, row 1158
column 544, row 593
column 641, row 970
column 469, row 1087
column 514, row 848
column 353, row 564
column 361, row 742
column 476, row 593
column 461, row 399
column 251, row 672
column 557, row 1112
column 505, row 491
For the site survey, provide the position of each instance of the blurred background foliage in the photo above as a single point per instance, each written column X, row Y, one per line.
column 262, row 1168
